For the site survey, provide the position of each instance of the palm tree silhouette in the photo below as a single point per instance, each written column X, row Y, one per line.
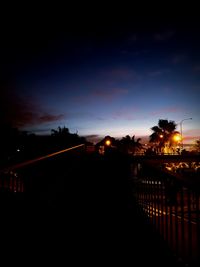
column 136, row 145
column 163, row 133
column 60, row 132
column 131, row 145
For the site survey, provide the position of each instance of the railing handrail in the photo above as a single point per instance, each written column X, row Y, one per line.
column 29, row 162
column 172, row 206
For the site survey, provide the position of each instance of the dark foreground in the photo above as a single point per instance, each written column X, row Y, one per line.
column 79, row 211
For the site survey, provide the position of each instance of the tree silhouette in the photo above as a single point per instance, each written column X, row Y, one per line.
column 126, row 144
column 62, row 137
column 130, row 145
column 163, row 133
column 197, row 145
column 60, row 132
column 136, row 145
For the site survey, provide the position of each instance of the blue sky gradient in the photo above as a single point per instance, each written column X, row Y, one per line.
column 111, row 80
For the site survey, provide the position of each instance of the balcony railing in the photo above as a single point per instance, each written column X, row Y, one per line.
column 20, row 177
column 171, row 203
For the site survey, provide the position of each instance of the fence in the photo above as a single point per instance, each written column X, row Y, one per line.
column 172, row 205
column 20, row 177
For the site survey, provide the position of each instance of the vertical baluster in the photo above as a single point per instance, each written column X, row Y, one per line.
column 182, row 222
column 154, row 202
column 198, row 226
column 166, row 208
column 158, row 203
column 144, row 194
column 170, row 221
column 148, row 203
column 176, row 225
column 162, row 207
column 189, row 245
column 149, row 197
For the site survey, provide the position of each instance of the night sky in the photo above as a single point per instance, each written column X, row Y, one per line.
column 101, row 76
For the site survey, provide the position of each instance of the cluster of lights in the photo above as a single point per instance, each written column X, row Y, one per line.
column 176, row 137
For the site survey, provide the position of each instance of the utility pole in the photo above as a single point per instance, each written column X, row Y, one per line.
column 182, row 130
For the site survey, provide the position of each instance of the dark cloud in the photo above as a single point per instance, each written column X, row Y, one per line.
column 13, row 110
column 179, row 58
column 131, row 113
column 197, row 68
column 100, row 118
column 119, row 74
column 110, row 94
column 193, row 132
column 156, row 73
column 191, row 138
column 20, row 112
column 94, row 138
column 49, row 118
column 164, row 110
column 41, row 131
column 101, row 95
column 164, row 36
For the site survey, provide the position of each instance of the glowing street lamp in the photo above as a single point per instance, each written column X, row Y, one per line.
column 177, row 137
column 108, row 142
column 177, row 141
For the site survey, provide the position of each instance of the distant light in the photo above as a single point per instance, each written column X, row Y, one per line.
column 108, row 142
column 161, row 135
column 18, row 150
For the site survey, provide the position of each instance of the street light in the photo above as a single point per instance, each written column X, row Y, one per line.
column 182, row 130
column 108, row 142
column 177, row 138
